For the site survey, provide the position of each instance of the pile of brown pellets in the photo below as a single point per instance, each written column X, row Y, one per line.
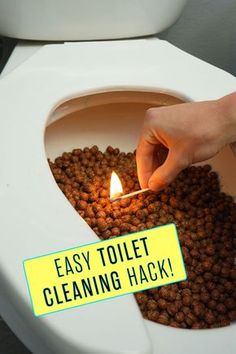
column 205, row 218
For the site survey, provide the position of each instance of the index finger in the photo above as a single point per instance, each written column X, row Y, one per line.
column 147, row 162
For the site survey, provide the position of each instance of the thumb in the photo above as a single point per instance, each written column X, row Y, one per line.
column 175, row 162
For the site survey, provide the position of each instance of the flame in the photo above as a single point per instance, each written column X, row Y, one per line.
column 115, row 186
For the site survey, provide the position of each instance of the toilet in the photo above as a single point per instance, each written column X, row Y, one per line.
column 58, row 95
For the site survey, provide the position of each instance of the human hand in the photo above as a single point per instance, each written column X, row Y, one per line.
column 192, row 132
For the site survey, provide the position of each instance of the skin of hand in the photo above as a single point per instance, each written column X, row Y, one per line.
column 192, row 132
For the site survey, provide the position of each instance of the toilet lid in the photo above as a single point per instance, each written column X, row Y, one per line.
column 36, row 219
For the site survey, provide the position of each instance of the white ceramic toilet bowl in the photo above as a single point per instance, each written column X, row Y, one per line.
column 36, row 218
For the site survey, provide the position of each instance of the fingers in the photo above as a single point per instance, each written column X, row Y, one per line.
column 146, row 160
column 166, row 173
column 150, row 152
column 162, row 128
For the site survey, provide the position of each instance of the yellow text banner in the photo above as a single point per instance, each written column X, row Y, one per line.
column 104, row 269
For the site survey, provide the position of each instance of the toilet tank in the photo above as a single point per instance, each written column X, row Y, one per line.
column 61, row 20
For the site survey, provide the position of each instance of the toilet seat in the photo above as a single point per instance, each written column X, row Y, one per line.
column 28, row 95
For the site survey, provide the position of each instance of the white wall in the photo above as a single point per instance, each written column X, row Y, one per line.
column 207, row 29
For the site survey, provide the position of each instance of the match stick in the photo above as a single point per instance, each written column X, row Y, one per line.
column 130, row 194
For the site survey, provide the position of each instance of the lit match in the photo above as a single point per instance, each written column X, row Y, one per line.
column 116, row 189
column 130, row 194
